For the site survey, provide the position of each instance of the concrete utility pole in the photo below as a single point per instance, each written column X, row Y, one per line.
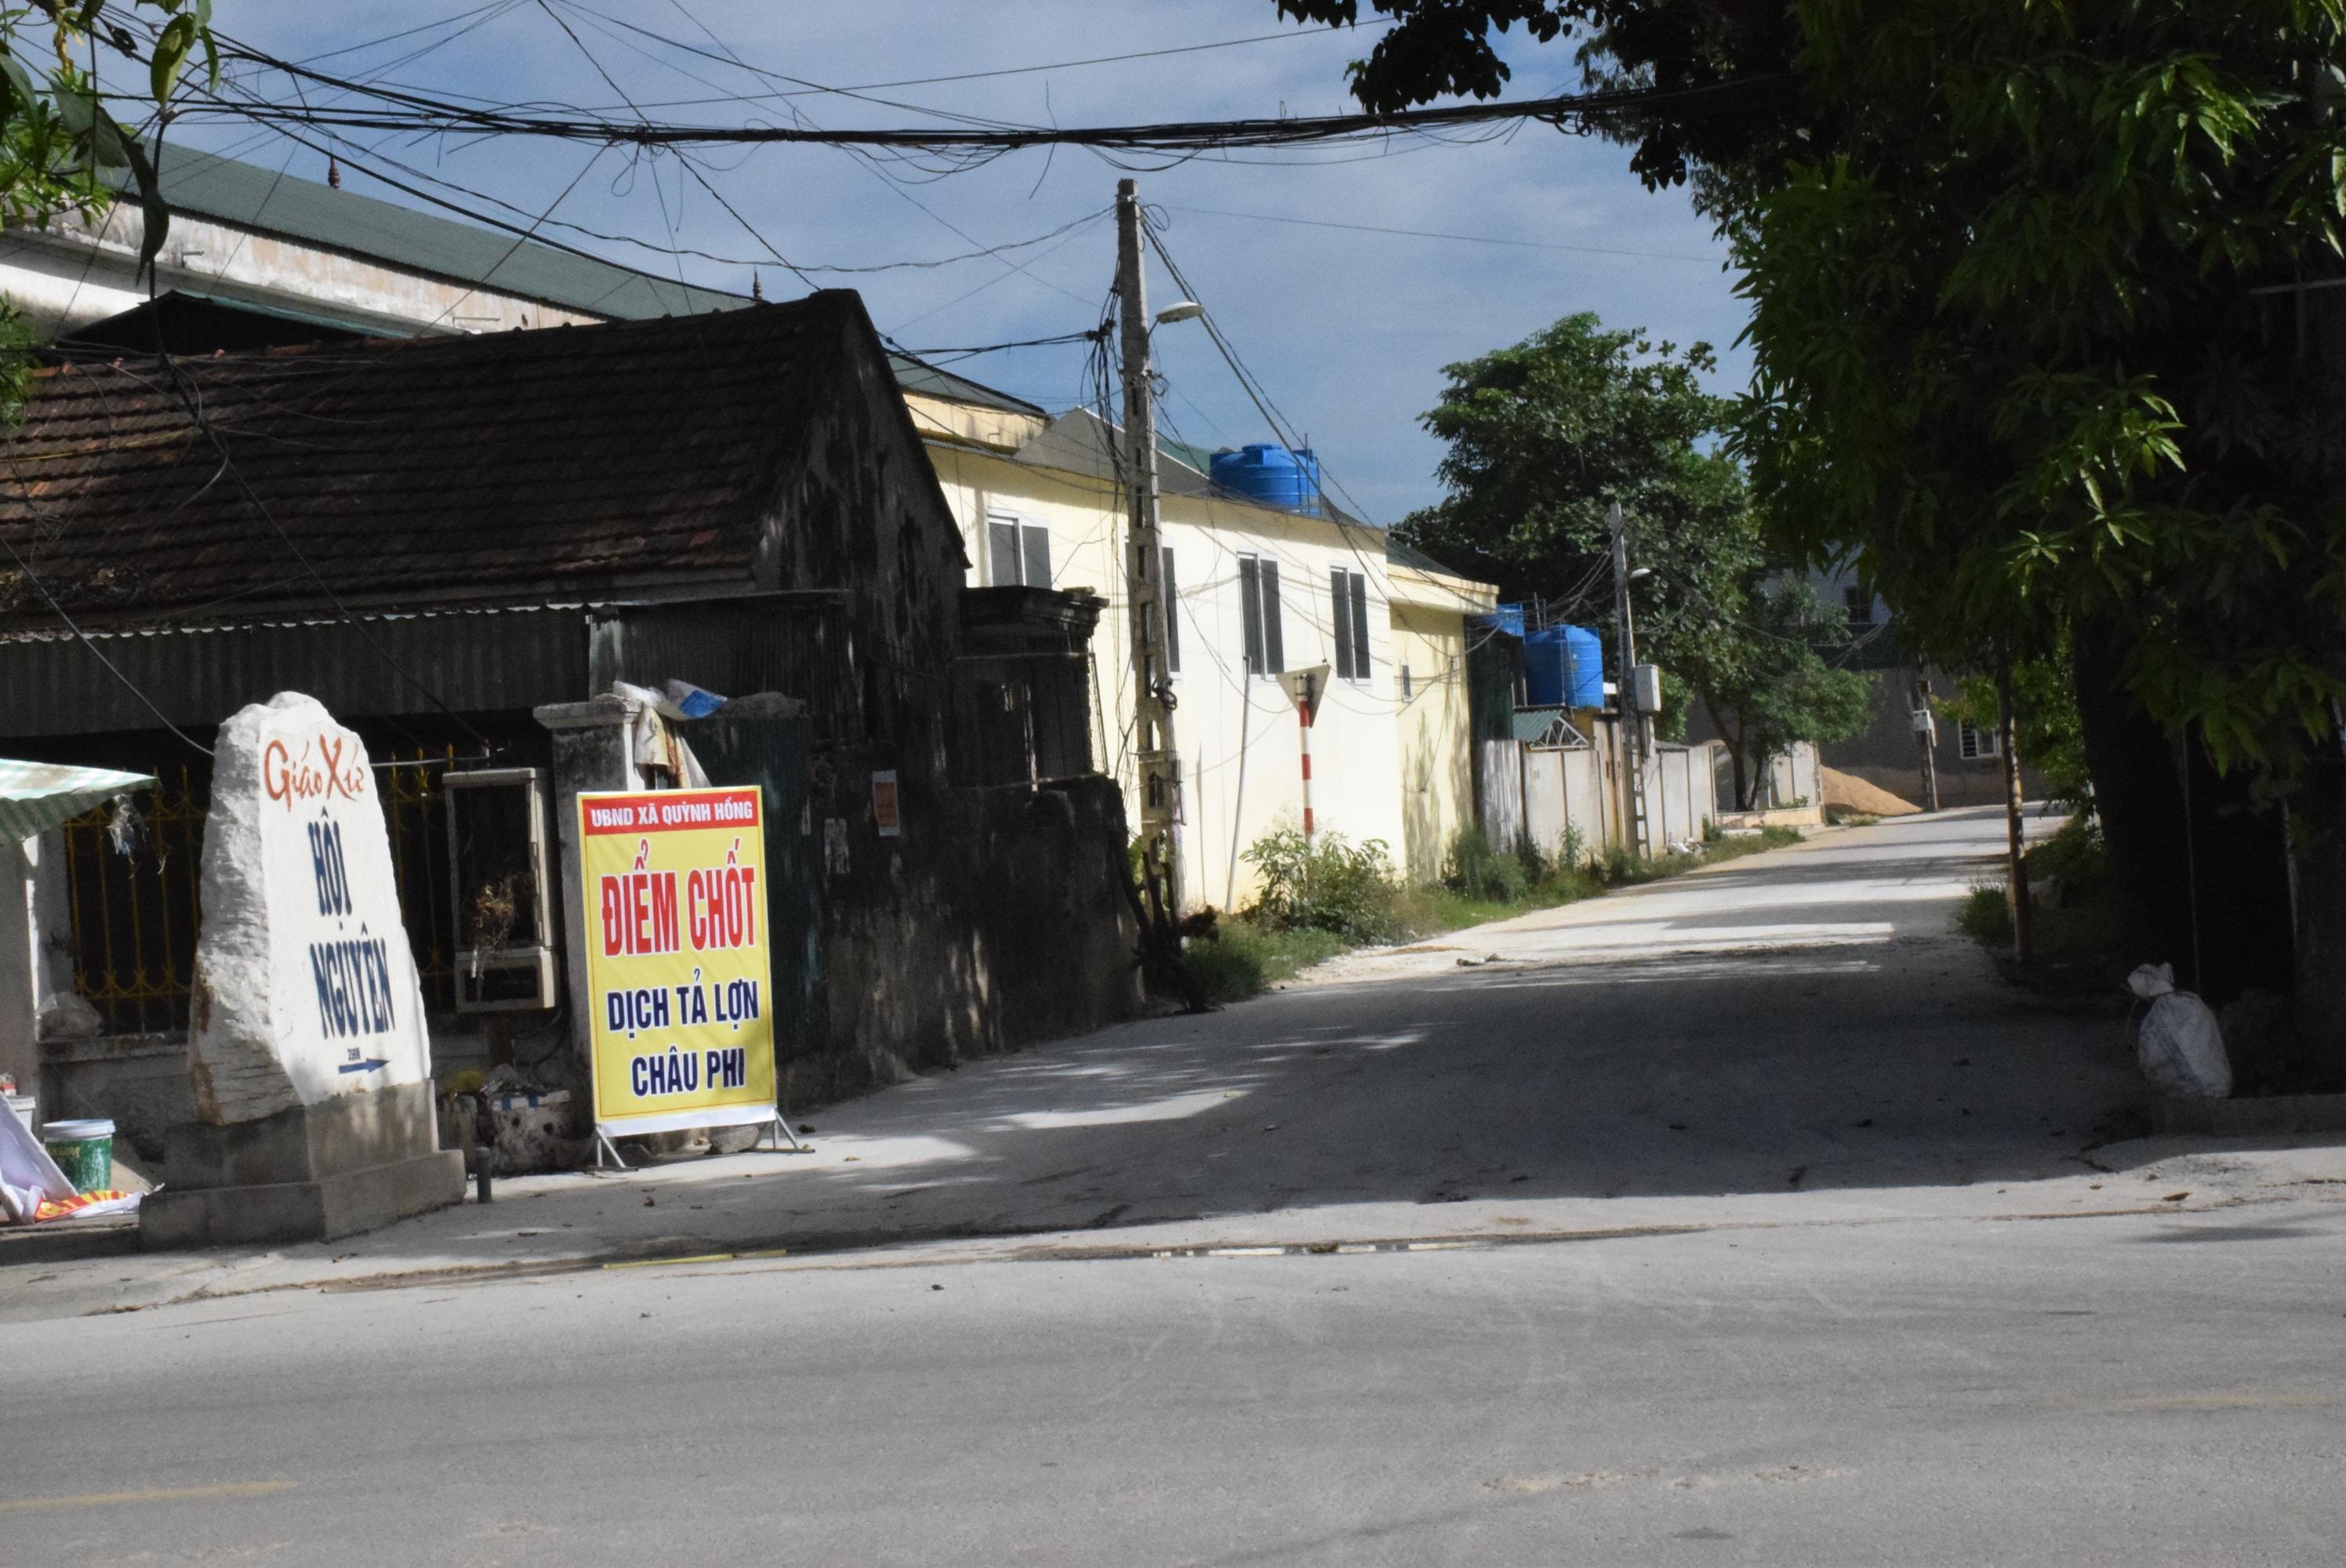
column 1159, row 766
column 1926, row 736
column 1633, row 722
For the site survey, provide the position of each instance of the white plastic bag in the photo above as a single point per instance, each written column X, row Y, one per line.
column 2178, row 1046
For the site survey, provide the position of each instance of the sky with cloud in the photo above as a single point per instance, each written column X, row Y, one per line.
column 1347, row 328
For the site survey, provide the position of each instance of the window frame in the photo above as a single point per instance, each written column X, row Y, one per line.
column 1261, row 618
column 1026, row 540
column 1347, row 596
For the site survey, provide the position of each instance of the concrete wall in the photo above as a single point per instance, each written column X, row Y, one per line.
column 1437, row 764
column 1885, row 753
column 1383, row 767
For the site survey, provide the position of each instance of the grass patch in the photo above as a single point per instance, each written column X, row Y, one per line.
column 2073, row 910
column 1271, row 942
column 1850, row 817
column 1242, row 959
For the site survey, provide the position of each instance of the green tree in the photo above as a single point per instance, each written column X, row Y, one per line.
column 1766, row 682
column 2031, row 344
column 1546, row 436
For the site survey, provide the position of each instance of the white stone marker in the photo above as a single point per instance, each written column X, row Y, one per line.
column 305, row 988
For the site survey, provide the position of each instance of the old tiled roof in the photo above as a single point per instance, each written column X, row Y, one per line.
column 405, row 473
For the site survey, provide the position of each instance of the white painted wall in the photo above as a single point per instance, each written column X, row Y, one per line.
column 1236, row 732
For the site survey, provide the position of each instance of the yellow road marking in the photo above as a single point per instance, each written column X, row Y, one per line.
column 145, row 1494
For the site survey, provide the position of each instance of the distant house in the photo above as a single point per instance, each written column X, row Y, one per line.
column 460, row 545
column 1887, row 751
column 1259, row 590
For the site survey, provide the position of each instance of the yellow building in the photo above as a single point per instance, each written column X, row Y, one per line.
column 1258, row 591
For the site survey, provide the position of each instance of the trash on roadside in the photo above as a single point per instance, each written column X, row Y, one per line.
column 33, row 1186
column 2178, row 1046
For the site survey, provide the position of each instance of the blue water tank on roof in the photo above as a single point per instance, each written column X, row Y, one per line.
column 1544, row 666
column 1271, row 476
column 1507, row 618
column 1564, row 666
column 1584, row 668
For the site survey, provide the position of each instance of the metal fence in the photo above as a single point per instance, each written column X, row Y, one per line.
column 133, row 883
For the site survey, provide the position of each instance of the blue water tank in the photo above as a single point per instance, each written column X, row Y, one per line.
column 1507, row 618
column 1271, row 476
column 1584, row 668
column 1543, row 667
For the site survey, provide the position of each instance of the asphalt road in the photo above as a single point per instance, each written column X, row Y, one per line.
column 1740, row 1220
column 2123, row 1391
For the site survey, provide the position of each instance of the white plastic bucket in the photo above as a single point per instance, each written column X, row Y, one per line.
column 28, row 1108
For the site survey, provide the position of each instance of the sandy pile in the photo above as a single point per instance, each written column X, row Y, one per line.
column 1849, row 792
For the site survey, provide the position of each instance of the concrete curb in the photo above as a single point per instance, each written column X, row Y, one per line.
column 2247, row 1118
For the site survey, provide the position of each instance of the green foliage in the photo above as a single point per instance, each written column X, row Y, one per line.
column 2049, row 738
column 2008, row 344
column 1985, row 916
column 1242, row 959
column 1767, row 683
column 1329, row 884
column 1545, row 436
column 1473, row 870
column 1246, row 954
column 61, row 149
column 2072, row 913
column 1622, row 869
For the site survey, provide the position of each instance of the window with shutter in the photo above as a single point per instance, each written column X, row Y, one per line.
column 1002, row 551
column 1360, row 626
column 1274, row 644
column 1340, row 596
column 1250, row 612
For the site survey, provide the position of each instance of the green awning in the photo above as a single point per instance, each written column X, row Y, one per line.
column 35, row 796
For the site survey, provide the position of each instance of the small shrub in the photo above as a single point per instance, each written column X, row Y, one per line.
column 1240, row 958
column 1329, row 885
column 1986, row 914
column 1473, row 870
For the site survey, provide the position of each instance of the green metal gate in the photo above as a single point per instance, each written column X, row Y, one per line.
column 739, row 748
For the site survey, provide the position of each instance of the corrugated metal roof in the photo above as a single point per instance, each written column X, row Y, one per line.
column 35, row 796
column 206, row 185
column 1547, row 726
column 476, row 660
column 920, row 376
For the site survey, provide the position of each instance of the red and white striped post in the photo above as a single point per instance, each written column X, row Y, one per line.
column 1303, row 729
column 1304, row 687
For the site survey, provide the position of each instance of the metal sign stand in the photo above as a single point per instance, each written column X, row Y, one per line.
column 606, row 1152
